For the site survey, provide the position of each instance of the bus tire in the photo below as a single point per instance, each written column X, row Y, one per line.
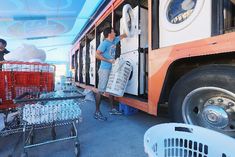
column 206, row 97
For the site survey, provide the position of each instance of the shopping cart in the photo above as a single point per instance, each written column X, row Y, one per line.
column 182, row 140
column 17, row 78
column 20, row 77
column 48, row 110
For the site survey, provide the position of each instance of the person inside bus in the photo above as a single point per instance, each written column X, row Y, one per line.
column 3, row 49
column 106, row 54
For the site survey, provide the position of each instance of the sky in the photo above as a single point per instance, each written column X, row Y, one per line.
column 51, row 25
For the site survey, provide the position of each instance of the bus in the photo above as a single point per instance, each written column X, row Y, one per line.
column 182, row 52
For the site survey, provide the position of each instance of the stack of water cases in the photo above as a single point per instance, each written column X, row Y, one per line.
column 84, row 64
column 92, row 51
column 184, row 20
column 50, row 112
column 130, row 50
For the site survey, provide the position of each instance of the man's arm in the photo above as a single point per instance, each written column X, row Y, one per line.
column 100, row 57
column 123, row 36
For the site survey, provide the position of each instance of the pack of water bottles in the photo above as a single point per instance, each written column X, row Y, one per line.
column 51, row 111
column 27, row 67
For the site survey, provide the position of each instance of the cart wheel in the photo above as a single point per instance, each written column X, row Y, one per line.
column 72, row 133
column 77, row 149
column 31, row 138
column 53, row 133
column 25, row 154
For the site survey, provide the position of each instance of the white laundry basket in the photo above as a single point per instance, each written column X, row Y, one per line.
column 182, row 140
column 119, row 77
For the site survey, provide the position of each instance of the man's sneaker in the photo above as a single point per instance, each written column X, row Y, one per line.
column 115, row 112
column 99, row 116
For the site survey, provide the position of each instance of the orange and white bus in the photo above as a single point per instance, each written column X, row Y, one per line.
column 183, row 56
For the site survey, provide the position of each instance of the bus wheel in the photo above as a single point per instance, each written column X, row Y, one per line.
column 206, row 97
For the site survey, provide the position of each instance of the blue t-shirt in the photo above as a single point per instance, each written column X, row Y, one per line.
column 108, row 50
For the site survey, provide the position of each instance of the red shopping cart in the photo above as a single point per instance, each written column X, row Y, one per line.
column 17, row 78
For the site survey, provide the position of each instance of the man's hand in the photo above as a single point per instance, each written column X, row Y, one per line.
column 112, row 61
column 100, row 57
column 123, row 36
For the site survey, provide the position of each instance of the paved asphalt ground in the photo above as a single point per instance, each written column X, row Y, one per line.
column 120, row 136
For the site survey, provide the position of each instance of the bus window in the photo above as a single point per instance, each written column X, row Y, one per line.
column 155, row 24
column 76, row 64
column 229, row 15
column 73, row 62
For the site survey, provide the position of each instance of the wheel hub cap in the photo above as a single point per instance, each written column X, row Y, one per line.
column 215, row 116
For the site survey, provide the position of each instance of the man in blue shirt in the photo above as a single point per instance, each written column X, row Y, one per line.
column 106, row 53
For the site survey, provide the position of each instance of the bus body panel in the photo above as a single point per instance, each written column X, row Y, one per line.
column 160, row 59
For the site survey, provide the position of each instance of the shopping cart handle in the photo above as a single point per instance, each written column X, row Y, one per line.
column 46, row 99
column 22, row 96
column 34, row 94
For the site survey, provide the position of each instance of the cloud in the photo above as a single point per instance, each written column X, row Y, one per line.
column 26, row 53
